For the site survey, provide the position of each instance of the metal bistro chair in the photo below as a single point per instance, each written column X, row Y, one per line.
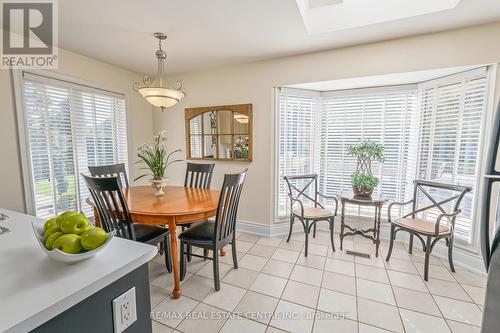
column 114, row 215
column 110, row 171
column 214, row 235
column 197, row 176
column 308, row 214
column 421, row 228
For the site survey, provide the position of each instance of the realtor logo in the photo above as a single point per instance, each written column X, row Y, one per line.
column 29, row 34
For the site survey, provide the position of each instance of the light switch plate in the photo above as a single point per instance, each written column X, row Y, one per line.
column 124, row 310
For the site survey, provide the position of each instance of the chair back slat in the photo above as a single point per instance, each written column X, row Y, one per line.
column 111, row 170
column 198, row 175
column 225, row 220
column 111, row 205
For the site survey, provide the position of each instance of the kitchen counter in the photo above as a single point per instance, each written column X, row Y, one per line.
column 34, row 289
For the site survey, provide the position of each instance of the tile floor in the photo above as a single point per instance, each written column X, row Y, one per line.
column 277, row 289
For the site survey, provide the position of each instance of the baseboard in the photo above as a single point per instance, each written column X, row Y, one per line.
column 461, row 258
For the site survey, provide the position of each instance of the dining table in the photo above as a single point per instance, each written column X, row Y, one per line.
column 178, row 206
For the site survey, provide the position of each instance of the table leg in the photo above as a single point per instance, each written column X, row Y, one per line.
column 175, row 261
column 375, row 226
column 379, row 217
column 342, row 222
column 222, row 252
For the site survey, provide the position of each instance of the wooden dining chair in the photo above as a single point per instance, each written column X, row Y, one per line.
column 111, row 170
column 303, row 190
column 430, row 227
column 215, row 234
column 114, row 215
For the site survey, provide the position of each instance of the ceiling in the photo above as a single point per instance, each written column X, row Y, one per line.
column 212, row 33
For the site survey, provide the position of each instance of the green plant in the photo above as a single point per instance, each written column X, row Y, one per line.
column 364, row 181
column 367, row 149
column 156, row 157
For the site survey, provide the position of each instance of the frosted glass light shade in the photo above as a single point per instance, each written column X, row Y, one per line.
column 241, row 118
column 162, row 97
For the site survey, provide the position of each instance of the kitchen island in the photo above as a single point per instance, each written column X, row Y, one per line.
column 41, row 295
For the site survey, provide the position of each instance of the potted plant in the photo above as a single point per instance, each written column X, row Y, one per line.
column 363, row 180
column 157, row 159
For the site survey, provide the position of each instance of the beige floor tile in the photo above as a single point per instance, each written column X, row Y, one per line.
column 226, row 298
column 459, row 311
column 166, row 281
column 207, row 270
column 339, row 266
column 416, row 322
column 406, row 280
column 271, row 329
column 302, row 321
column 469, row 278
column 253, row 262
column 241, row 277
column 204, row 318
column 363, row 328
column 335, row 302
column 379, row 315
column 375, row 291
column 372, row 273
column 242, row 246
column 307, row 275
column 372, row 261
column 285, row 255
column 447, row 289
column 340, row 255
column 291, row 245
column 257, row 306
column 273, row 241
column 262, row 250
column 301, row 293
column 457, row 327
column 156, row 270
column 242, row 325
column 269, row 285
column 477, row 294
column 401, row 265
column 196, row 264
column 157, row 295
column 317, row 249
column 416, row 300
column 312, row 261
column 197, row 287
column 171, row 311
column 419, row 257
column 278, row 268
column 249, row 238
column 228, row 258
column 160, row 328
column 436, row 272
column 339, row 282
column 324, row 323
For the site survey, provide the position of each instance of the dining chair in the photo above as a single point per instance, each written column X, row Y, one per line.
column 424, row 222
column 303, row 190
column 215, row 234
column 198, row 176
column 110, row 170
column 114, row 215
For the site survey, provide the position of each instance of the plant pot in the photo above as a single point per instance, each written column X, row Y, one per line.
column 366, row 193
column 158, row 185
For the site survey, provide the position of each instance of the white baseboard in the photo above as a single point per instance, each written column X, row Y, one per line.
column 461, row 258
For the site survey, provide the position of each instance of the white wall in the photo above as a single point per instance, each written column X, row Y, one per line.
column 253, row 83
column 77, row 66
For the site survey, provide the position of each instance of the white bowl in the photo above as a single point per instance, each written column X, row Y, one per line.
column 59, row 255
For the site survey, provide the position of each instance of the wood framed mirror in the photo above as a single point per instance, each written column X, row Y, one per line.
column 222, row 132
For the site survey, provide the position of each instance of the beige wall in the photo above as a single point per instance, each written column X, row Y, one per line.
column 138, row 112
column 253, row 83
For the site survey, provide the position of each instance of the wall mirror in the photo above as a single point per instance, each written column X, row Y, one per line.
column 221, row 132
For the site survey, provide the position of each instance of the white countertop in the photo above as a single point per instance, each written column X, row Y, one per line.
column 34, row 288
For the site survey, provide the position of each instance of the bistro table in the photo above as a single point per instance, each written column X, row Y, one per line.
column 180, row 205
column 376, row 201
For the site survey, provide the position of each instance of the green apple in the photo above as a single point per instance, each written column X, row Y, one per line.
column 93, row 238
column 49, row 243
column 61, row 217
column 74, row 224
column 68, row 243
column 49, row 224
column 50, row 232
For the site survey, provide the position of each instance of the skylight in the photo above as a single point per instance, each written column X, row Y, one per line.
column 321, row 16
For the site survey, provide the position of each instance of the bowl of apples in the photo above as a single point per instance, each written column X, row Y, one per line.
column 70, row 238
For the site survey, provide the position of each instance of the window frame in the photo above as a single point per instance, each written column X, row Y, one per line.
column 24, row 147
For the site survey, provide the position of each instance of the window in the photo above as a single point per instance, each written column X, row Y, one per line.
column 430, row 131
column 67, row 128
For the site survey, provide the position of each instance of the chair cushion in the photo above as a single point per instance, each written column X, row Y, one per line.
column 203, row 232
column 421, row 226
column 146, row 232
column 313, row 212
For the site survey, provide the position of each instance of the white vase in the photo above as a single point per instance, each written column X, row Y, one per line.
column 158, row 185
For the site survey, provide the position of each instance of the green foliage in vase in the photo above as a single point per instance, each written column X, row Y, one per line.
column 367, row 149
column 364, row 181
column 156, row 157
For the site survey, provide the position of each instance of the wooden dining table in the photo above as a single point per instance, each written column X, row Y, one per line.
column 179, row 206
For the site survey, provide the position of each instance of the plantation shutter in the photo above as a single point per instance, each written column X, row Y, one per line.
column 452, row 110
column 69, row 127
